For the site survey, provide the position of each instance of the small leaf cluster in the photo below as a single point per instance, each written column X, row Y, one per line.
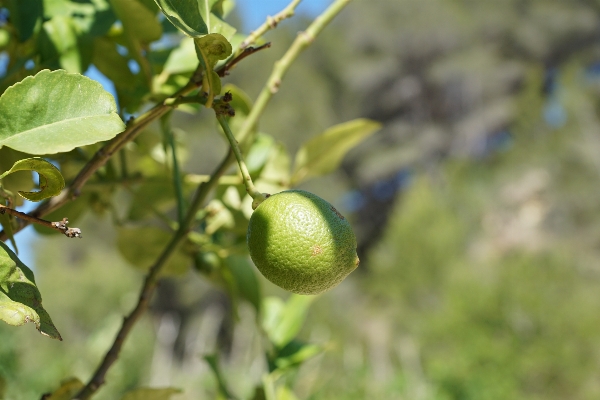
column 124, row 156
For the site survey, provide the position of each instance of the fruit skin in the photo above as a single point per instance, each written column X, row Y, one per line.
column 301, row 243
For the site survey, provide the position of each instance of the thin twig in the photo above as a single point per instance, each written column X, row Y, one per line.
column 245, row 53
column 151, row 281
column 270, row 23
column 60, row 226
column 302, row 41
column 177, row 184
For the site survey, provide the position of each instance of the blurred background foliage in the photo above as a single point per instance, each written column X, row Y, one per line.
column 475, row 208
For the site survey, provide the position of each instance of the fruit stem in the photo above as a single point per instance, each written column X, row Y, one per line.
column 257, row 196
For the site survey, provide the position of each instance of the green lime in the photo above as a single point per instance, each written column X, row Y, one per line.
column 301, row 243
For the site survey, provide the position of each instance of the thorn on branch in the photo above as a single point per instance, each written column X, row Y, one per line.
column 69, row 232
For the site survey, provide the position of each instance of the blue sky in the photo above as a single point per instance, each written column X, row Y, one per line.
column 254, row 12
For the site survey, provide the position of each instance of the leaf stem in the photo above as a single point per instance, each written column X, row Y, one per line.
column 178, row 186
column 151, row 281
column 257, row 196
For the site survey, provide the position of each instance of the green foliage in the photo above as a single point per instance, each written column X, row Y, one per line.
column 186, row 15
column 140, row 193
column 151, row 394
column 20, row 299
column 323, row 153
column 55, row 112
column 51, row 180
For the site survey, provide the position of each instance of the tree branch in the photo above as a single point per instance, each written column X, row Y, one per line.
column 151, row 281
column 302, row 41
column 60, row 226
column 270, row 23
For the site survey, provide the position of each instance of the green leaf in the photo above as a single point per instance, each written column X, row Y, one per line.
column 213, row 362
column 6, row 224
column 51, row 180
column 214, row 23
column 20, row 299
column 151, row 394
column 182, row 59
column 212, row 48
column 112, row 64
column 58, row 44
column 17, row 181
column 276, row 170
column 285, row 393
column 142, row 246
column 138, row 21
column 185, row 15
column 68, row 388
column 222, row 8
column 56, row 111
column 324, row 153
column 2, row 387
column 245, row 279
column 24, row 15
column 295, row 353
column 282, row 324
column 259, row 153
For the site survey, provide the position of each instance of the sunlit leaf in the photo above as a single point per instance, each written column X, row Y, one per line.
column 324, row 153
column 17, row 181
column 138, row 21
column 58, row 44
column 24, row 15
column 285, row 393
column 151, row 394
column 282, row 323
column 51, row 180
column 112, row 64
column 277, row 168
column 295, row 353
column 7, row 227
column 56, row 111
column 20, row 299
column 214, row 23
column 259, row 153
column 182, row 59
column 212, row 48
column 2, row 387
column 222, row 8
column 245, row 279
column 213, row 362
column 68, row 388
column 142, row 246
column 185, row 15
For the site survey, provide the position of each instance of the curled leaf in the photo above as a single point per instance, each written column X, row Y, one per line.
column 212, row 48
column 51, row 180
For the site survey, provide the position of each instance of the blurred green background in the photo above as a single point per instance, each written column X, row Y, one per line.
column 476, row 209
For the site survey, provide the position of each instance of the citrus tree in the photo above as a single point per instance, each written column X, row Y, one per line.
column 124, row 158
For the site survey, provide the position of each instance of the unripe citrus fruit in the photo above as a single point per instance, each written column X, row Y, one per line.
column 301, row 243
